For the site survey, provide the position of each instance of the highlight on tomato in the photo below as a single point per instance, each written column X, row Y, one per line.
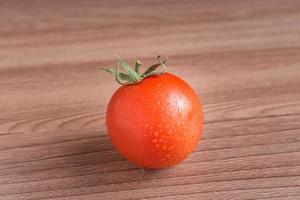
column 154, row 119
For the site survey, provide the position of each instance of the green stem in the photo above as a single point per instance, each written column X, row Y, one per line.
column 133, row 76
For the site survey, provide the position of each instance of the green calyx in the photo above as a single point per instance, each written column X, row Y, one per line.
column 133, row 76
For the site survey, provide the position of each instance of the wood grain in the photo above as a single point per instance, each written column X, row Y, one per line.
column 242, row 58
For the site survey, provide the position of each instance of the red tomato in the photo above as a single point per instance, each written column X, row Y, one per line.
column 156, row 123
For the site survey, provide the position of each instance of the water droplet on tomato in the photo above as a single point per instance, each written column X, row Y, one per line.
column 170, row 148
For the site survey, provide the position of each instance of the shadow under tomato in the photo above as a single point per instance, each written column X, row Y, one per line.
column 100, row 164
column 86, row 162
column 97, row 163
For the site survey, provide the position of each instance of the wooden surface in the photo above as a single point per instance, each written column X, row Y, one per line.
column 242, row 58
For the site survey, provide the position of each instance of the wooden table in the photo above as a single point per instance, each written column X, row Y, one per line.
column 242, row 58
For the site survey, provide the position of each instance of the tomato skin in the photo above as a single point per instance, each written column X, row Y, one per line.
column 156, row 123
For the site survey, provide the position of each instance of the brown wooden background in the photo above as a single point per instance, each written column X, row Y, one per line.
column 242, row 58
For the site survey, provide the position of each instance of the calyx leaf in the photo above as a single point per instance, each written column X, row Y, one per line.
column 133, row 76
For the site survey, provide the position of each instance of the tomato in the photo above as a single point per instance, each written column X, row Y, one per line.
column 155, row 123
